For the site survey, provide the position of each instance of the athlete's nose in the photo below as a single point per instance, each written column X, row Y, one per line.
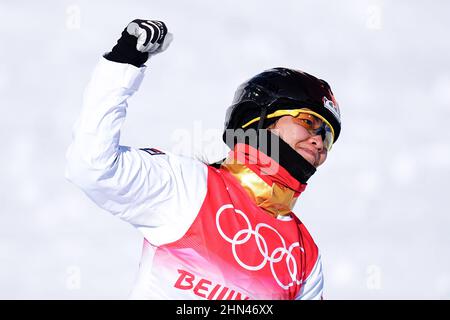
column 317, row 141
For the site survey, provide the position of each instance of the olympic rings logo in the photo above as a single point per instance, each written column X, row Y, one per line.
column 281, row 254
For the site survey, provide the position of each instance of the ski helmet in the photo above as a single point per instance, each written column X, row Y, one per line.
column 257, row 99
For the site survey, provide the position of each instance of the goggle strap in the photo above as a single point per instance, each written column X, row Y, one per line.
column 262, row 118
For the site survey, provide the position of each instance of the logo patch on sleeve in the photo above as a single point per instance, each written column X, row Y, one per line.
column 152, row 151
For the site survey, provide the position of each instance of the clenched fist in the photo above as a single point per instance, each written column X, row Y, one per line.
column 152, row 35
column 139, row 40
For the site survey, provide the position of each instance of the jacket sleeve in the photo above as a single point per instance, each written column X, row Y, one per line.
column 149, row 191
column 312, row 288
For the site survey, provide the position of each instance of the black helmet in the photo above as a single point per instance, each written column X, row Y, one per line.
column 281, row 89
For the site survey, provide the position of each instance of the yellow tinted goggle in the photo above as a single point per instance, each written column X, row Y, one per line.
column 322, row 127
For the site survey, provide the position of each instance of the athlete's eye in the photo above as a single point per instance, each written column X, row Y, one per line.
column 307, row 123
column 322, row 133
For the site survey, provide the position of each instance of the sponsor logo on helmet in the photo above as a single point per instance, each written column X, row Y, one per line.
column 333, row 107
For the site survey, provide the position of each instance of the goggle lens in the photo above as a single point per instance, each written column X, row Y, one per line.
column 316, row 126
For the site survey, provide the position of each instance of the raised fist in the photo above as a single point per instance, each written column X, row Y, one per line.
column 152, row 35
column 139, row 40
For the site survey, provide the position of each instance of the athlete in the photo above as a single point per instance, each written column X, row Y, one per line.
column 211, row 231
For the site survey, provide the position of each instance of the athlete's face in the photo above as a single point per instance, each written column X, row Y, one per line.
column 293, row 133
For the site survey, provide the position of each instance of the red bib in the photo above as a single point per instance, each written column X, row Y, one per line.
column 235, row 250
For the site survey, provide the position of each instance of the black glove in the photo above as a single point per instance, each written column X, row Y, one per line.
column 140, row 40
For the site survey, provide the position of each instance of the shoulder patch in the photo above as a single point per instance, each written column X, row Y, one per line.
column 152, row 151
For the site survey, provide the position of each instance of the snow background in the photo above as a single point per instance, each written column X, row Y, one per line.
column 378, row 208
